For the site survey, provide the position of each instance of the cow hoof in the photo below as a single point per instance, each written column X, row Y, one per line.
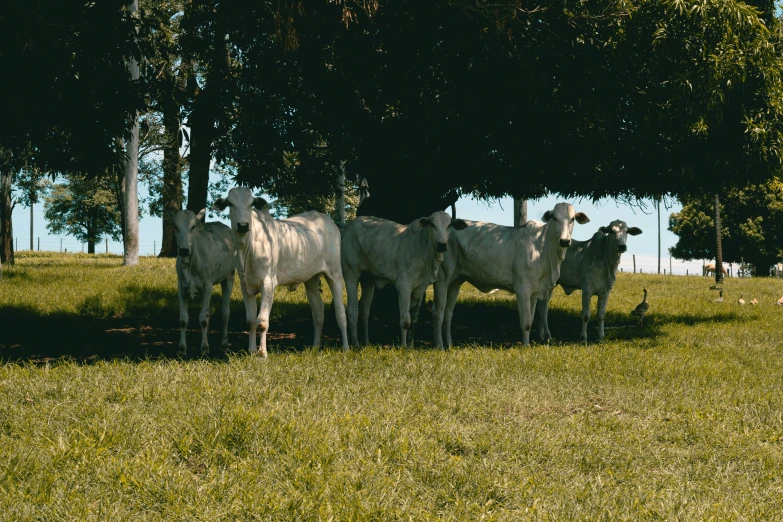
column 182, row 352
column 204, row 351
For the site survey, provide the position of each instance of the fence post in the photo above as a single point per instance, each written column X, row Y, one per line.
column 107, row 245
column 634, row 263
column 664, row 271
column 39, row 243
column 154, row 247
column 17, row 245
column 61, row 244
column 670, row 266
column 641, row 270
column 686, row 271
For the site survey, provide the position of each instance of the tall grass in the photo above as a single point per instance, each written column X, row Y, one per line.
column 681, row 419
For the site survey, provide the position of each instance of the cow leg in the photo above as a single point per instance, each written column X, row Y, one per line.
column 368, row 291
column 251, row 314
column 183, row 322
column 203, row 318
column 602, row 300
column 451, row 302
column 336, row 286
column 267, row 297
column 226, row 287
column 416, row 299
column 313, row 290
column 404, row 298
column 586, row 298
column 352, row 291
column 542, row 310
column 440, row 290
column 524, row 307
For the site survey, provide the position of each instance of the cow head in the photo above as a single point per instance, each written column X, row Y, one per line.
column 186, row 224
column 241, row 202
column 562, row 219
column 617, row 233
column 438, row 225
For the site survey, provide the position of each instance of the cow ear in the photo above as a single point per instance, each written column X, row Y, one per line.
column 581, row 218
column 425, row 222
column 202, row 215
column 605, row 230
column 634, row 231
column 220, row 204
column 260, row 204
column 458, row 224
column 547, row 216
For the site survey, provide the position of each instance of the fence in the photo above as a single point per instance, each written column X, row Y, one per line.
column 647, row 264
column 69, row 244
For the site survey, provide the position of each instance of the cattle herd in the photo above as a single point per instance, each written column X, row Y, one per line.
column 528, row 261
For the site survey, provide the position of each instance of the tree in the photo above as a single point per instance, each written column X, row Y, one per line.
column 751, row 225
column 84, row 208
column 166, row 75
column 30, row 185
column 71, row 94
column 130, row 206
column 426, row 99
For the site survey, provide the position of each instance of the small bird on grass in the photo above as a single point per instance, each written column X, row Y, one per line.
column 741, row 301
column 719, row 299
column 754, row 301
column 641, row 308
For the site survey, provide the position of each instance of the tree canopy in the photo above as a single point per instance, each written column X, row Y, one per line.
column 67, row 93
column 596, row 99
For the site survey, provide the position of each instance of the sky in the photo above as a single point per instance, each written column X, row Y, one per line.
column 500, row 211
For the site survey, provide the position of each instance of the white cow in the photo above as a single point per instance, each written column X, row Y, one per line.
column 590, row 266
column 522, row 260
column 206, row 256
column 377, row 251
column 285, row 252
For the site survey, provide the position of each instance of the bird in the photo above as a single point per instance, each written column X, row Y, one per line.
column 641, row 308
column 780, row 302
column 719, row 299
column 741, row 301
column 754, row 301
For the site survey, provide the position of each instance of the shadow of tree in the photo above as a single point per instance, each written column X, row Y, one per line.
column 149, row 327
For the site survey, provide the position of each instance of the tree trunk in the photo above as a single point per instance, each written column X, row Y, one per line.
column 718, row 244
column 520, row 212
column 659, row 235
column 340, row 204
column 90, row 246
column 6, row 214
column 31, row 222
column 202, row 129
column 131, row 181
column 172, row 183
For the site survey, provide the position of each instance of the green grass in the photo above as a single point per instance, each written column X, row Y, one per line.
column 681, row 419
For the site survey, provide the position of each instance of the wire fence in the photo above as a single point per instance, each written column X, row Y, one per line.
column 70, row 244
column 646, row 264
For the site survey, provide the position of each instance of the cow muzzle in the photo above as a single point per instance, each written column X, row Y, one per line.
column 442, row 247
column 565, row 243
column 242, row 228
column 622, row 248
column 183, row 252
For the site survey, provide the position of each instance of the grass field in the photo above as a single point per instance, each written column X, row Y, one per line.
column 681, row 419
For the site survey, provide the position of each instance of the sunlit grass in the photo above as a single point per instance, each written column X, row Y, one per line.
column 681, row 419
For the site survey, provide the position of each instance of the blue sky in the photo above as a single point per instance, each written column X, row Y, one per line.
column 497, row 211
